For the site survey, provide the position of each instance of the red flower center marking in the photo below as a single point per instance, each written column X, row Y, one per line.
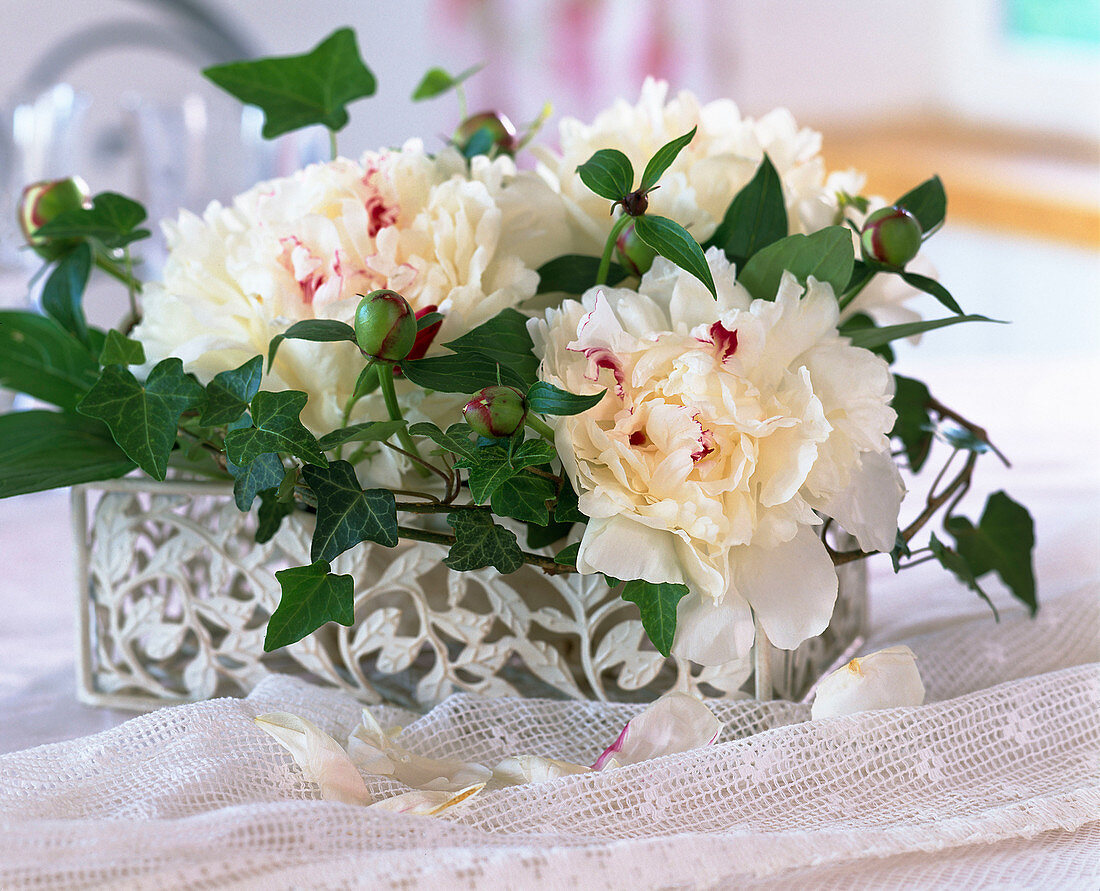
column 601, row 357
column 379, row 213
column 724, row 340
column 638, row 438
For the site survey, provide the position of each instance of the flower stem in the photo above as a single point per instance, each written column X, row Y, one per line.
column 333, row 150
column 540, row 427
column 609, row 246
column 389, row 394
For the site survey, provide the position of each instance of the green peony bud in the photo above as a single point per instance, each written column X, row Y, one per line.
column 42, row 202
column 496, row 411
column 485, row 131
column 891, row 236
column 385, row 326
column 634, row 254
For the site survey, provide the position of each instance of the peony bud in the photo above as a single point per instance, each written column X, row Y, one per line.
column 42, row 202
column 885, row 679
column 891, row 235
column 501, row 134
column 496, row 411
column 634, row 254
column 385, row 327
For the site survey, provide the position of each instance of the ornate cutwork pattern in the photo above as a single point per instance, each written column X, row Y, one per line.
column 175, row 596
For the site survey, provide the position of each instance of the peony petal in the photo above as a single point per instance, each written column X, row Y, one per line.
column 519, row 770
column 868, row 507
column 710, row 633
column 625, row 549
column 791, row 587
column 426, row 804
column 886, row 679
column 320, row 757
column 675, row 723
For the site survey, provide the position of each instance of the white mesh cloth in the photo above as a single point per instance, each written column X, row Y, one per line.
column 994, row 783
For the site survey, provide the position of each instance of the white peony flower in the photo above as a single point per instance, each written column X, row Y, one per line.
column 886, row 679
column 726, row 425
column 306, row 246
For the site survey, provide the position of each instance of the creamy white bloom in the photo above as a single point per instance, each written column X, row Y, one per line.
column 306, row 246
column 886, row 679
column 727, row 423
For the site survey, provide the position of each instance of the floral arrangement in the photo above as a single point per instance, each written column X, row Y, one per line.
column 679, row 379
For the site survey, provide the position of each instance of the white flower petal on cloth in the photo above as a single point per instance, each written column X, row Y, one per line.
column 791, row 587
column 711, row 633
column 519, row 770
column 321, row 758
column 426, row 804
column 675, row 723
column 868, row 507
column 885, row 679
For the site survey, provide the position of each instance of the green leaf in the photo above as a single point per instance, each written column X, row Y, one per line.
column 275, row 428
column 63, row 293
column 436, row 81
column 297, row 91
column 265, row 472
column 346, row 514
column 144, row 418
column 1003, row 541
column 575, row 274
column 960, row 567
column 541, row 536
column 900, row 549
column 566, row 509
column 546, row 399
column 428, row 319
column 933, row 287
column 502, row 339
column 567, row 556
column 118, row 349
column 480, row 542
column 927, row 202
column 481, row 143
column 488, row 474
column 662, row 160
column 456, row 439
column 961, row 438
column 367, row 382
column 859, row 322
column 40, row 358
column 230, row 392
column 317, row 330
column 862, row 272
column 270, row 515
column 368, row 431
column 827, row 255
column 912, row 427
column 311, row 596
column 524, row 497
column 756, row 217
column 459, row 373
column 657, row 604
column 533, row 453
column 608, row 173
column 871, row 338
column 110, row 220
column 673, row 242
column 42, row 450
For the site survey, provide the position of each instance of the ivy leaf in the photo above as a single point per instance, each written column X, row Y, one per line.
column 40, row 358
column 455, row 440
column 230, row 392
column 657, row 604
column 436, row 81
column 480, row 542
column 110, row 220
column 533, row 453
column 317, row 330
column 827, row 255
column 270, row 515
column 311, row 596
column 143, row 419
column 608, row 173
column 459, row 373
column 567, row 556
column 913, row 424
column 927, row 202
column 662, row 160
column 118, row 349
column 63, row 293
column 488, row 476
column 524, row 497
column 901, row 549
column 346, row 514
column 575, row 274
column 42, row 450
column 871, row 338
column 546, row 399
column 933, row 287
column 541, row 536
column 566, row 509
column 368, row 431
column 502, row 339
column 263, row 473
column 1003, row 542
column 960, row 567
column 275, row 428
column 673, row 242
column 297, row 91
column 756, row 217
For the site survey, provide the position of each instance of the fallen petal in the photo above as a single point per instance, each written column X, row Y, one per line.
column 886, row 679
column 675, row 723
column 320, row 757
column 427, row 804
column 521, row 769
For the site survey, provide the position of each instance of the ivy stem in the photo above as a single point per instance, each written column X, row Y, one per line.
column 546, row 564
column 333, row 150
column 605, row 261
column 389, row 394
column 540, row 427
